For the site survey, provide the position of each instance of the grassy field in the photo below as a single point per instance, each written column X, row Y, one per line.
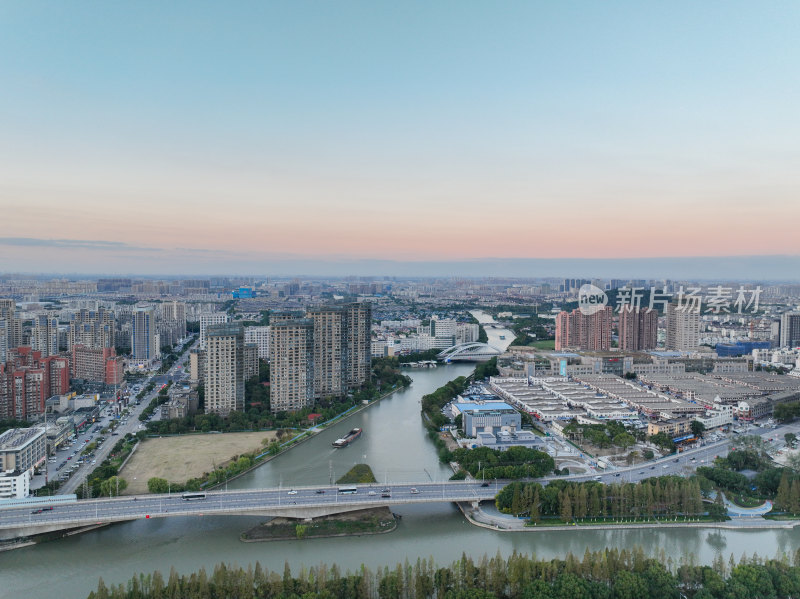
column 180, row 458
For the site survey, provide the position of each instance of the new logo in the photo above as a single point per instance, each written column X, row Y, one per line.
column 591, row 299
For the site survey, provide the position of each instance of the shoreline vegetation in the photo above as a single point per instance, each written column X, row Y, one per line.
column 372, row 521
column 611, row 573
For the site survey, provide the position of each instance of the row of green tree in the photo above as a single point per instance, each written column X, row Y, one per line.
column 667, row 496
column 609, row 574
column 161, row 398
column 515, row 462
column 433, row 403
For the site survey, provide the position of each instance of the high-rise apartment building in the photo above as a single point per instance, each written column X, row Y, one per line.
column 27, row 379
column 250, row 361
column 92, row 328
column 145, row 342
column 224, row 386
column 260, row 336
column 444, row 328
column 97, row 364
column 13, row 324
column 291, row 349
column 44, row 334
column 790, row 329
column 172, row 325
column 591, row 332
column 208, row 319
column 467, row 332
column 638, row 328
column 329, row 350
column 3, row 340
column 197, row 365
column 358, row 335
column 340, row 345
column 683, row 328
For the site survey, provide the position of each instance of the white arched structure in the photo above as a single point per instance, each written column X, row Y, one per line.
column 469, row 352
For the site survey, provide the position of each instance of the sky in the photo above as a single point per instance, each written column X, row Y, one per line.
column 191, row 137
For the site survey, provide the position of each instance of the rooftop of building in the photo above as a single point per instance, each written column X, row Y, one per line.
column 17, row 437
column 494, row 406
column 224, row 330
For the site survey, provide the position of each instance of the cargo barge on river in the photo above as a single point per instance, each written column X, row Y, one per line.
column 348, row 438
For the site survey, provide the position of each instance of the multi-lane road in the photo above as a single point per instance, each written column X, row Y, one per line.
column 131, row 425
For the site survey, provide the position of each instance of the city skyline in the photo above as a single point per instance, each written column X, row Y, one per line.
column 157, row 138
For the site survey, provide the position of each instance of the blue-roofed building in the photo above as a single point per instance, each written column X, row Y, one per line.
column 740, row 348
column 243, row 293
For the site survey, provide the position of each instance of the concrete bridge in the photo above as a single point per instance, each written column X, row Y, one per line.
column 300, row 502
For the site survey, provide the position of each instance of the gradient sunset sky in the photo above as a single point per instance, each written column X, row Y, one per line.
column 179, row 136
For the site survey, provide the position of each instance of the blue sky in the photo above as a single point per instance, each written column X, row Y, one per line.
column 391, row 131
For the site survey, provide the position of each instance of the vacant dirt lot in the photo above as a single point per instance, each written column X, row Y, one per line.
column 178, row 459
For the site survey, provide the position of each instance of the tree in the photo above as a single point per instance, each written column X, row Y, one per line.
column 112, row 487
column 648, row 454
column 157, row 485
column 663, row 441
column 566, row 506
column 624, row 440
column 698, row 428
column 790, row 438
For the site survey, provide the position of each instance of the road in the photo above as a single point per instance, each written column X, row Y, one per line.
column 174, row 375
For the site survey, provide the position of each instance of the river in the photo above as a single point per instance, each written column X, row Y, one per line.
column 395, row 445
column 496, row 336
